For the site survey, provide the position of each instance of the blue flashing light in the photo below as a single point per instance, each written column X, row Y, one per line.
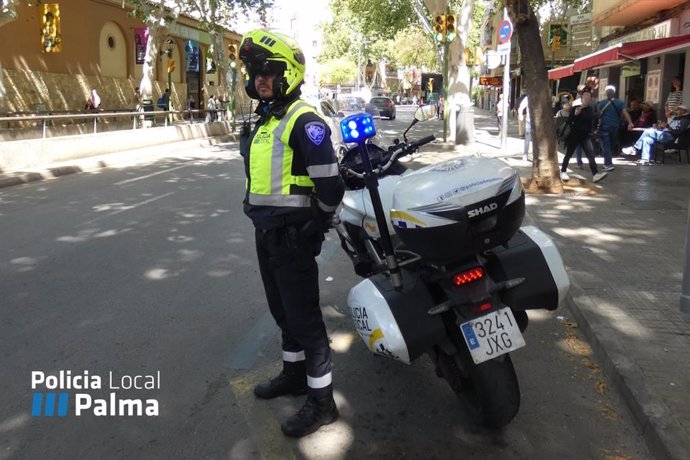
column 357, row 128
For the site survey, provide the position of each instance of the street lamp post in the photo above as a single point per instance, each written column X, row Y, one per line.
column 233, row 81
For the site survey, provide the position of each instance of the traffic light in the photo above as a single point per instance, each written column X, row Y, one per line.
column 478, row 56
column 171, row 65
column 451, row 27
column 232, row 55
column 556, row 45
column 440, row 27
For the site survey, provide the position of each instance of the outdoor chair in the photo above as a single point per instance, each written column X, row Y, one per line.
column 681, row 144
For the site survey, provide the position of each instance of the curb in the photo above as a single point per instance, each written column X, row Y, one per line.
column 660, row 431
column 16, row 178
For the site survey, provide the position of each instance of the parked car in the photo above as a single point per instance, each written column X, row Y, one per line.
column 348, row 105
column 385, row 106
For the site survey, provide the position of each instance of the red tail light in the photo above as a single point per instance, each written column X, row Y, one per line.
column 481, row 308
column 469, row 276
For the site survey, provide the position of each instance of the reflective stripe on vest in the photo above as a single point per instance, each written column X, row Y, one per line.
column 270, row 163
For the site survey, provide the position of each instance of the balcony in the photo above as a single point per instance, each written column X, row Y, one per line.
column 628, row 12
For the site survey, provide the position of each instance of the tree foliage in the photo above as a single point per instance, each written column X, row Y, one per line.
column 337, row 71
column 413, row 47
column 365, row 26
column 214, row 16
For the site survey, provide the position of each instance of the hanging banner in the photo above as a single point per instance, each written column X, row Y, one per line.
column 191, row 56
column 141, row 38
column 51, row 35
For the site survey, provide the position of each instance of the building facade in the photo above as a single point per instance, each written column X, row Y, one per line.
column 563, row 38
column 54, row 54
column 644, row 45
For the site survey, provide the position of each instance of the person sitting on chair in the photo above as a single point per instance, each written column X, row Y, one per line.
column 665, row 134
column 646, row 118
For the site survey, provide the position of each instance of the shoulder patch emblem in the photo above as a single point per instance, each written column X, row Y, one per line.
column 316, row 131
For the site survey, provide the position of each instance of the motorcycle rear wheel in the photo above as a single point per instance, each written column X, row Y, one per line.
column 489, row 392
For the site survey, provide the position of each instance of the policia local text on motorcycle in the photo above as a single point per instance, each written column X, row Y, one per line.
column 293, row 190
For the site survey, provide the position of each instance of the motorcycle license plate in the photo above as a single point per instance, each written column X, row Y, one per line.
column 492, row 335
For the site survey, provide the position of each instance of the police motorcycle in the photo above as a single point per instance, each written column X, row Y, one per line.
column 448, row 270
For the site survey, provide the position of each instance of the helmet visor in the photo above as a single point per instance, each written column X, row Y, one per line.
column 265, row 68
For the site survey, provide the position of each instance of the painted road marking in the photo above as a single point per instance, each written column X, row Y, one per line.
column 245, row 354
column 263, row 425
column 130, row 207
column 165, row 171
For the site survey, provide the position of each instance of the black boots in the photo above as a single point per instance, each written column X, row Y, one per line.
column 315, row 413
column 282, row 385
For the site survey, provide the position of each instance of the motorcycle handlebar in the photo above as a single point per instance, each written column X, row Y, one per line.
column 402, row 150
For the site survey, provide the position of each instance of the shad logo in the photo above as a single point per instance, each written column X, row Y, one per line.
column 482, row 210
column 80, row 394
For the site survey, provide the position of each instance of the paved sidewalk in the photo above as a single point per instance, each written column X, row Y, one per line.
column 624, row 249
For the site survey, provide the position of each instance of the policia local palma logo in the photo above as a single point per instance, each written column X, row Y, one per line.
column 82, row 394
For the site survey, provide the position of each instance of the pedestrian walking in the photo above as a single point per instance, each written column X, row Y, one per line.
column 523, row 115
column 611, row 112
column 581, row 121
column 211, row 107
column 499, row 113
column 136, row 100
column 291, row 207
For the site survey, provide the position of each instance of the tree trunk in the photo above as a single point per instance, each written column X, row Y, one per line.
column 545, row 170
column 149, row 67
column 458, row 84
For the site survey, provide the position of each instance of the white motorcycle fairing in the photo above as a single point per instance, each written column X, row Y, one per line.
column 358, row 210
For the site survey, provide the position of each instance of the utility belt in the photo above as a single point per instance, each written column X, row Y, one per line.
column 295, row 237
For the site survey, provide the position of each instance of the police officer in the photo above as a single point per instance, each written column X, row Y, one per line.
column 293, row 190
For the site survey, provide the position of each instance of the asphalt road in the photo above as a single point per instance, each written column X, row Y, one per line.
column 150, row 270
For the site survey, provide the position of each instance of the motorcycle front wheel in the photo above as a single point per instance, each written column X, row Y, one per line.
column 489, row 392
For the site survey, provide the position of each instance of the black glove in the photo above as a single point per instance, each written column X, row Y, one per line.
column 245, row 135
column 325, row 220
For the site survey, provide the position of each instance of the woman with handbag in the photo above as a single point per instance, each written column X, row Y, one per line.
column 580, row 124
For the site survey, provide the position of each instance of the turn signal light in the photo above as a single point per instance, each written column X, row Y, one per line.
column 470, row 276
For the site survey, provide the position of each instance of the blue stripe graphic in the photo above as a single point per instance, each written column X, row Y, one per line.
column 469, row 335
column 62, row 404
column 37, row 404
column 50, row 404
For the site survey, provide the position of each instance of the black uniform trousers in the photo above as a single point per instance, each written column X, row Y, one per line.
column 290, row 276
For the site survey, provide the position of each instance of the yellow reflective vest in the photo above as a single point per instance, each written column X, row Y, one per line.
column 270, row 181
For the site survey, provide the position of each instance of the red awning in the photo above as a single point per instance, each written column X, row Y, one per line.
column 561, row 72
column 624, row 52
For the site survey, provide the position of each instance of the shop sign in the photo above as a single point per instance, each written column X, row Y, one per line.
column 491, row 81
column 580, row 19
column 180, row 30
column 664, row 29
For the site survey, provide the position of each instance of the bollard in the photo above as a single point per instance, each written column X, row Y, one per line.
column 685, row 288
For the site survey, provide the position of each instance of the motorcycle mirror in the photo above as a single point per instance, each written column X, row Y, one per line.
column 425, row 112
column 414, row 122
